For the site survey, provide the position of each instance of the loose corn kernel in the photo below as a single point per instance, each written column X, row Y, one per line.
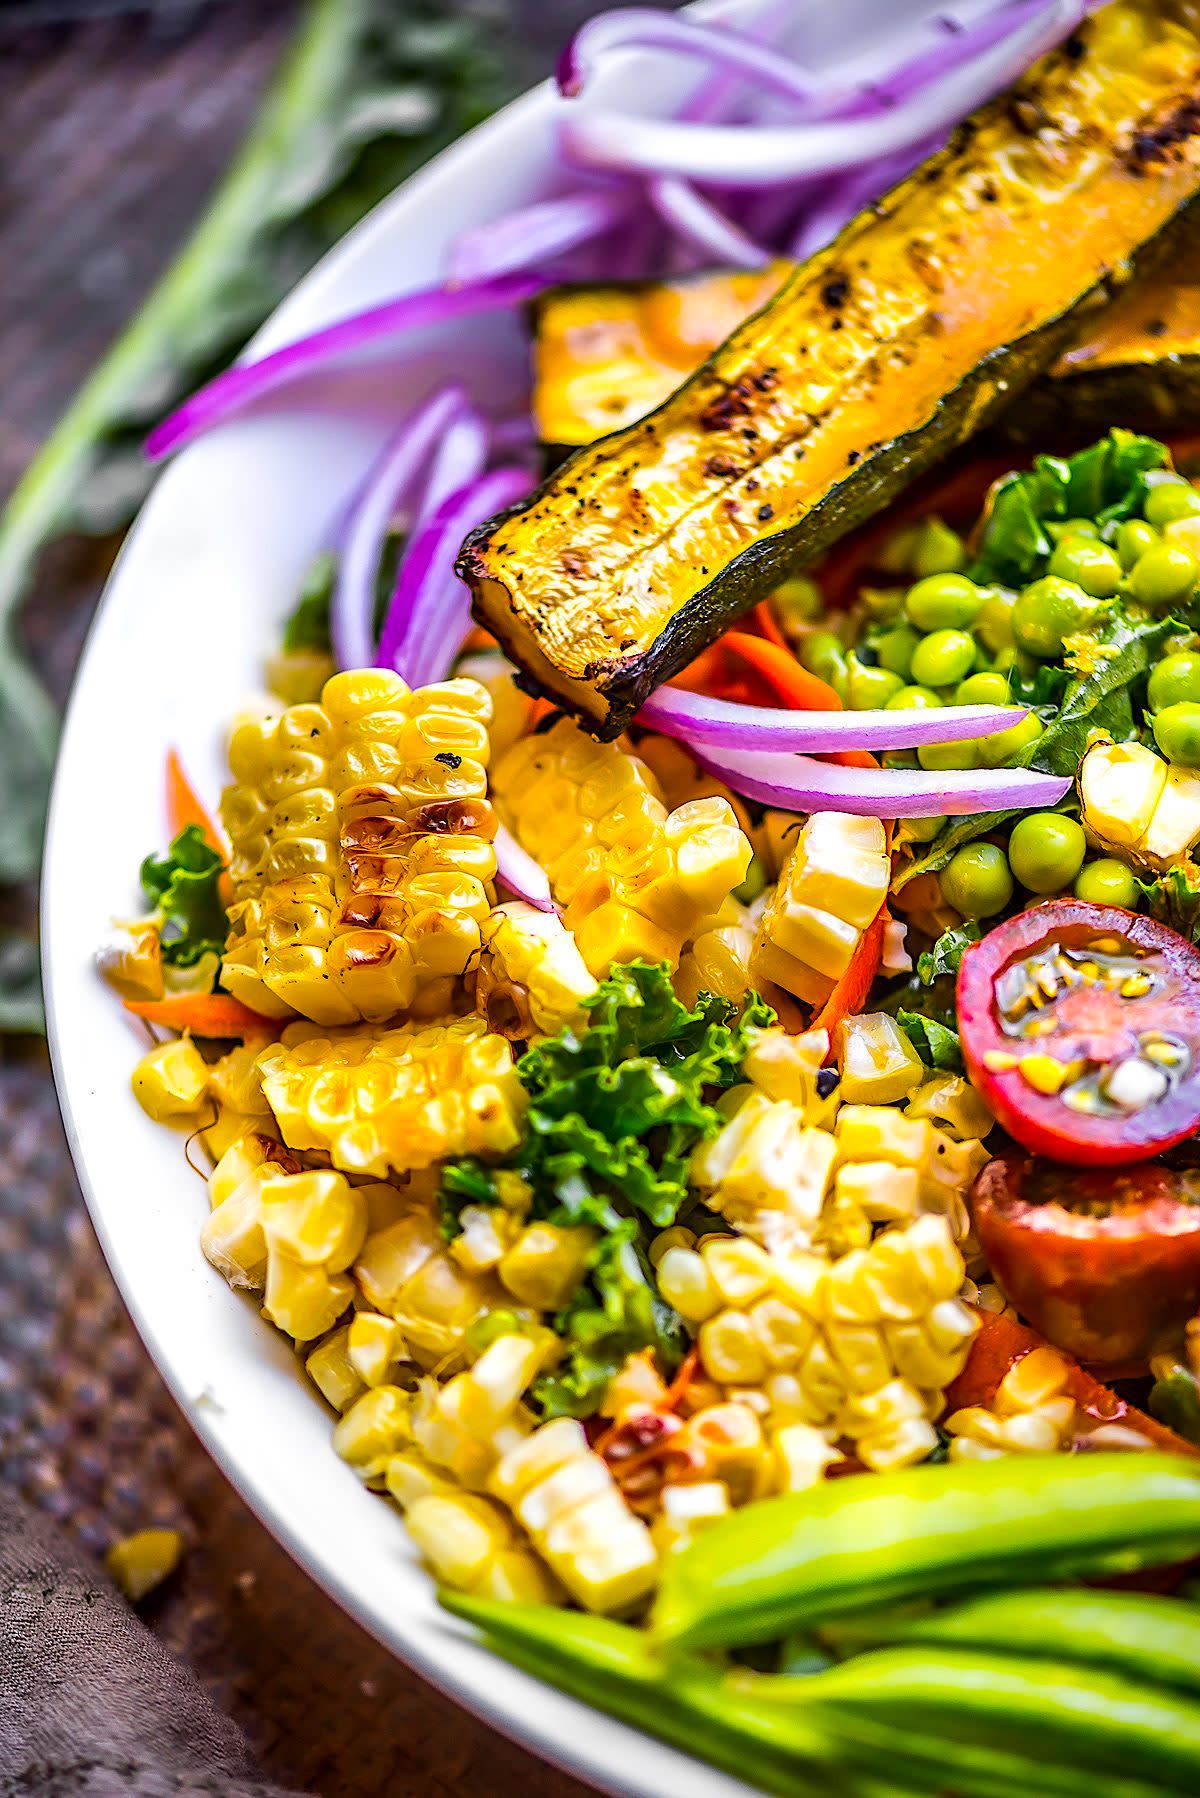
column 741, row 1271
column 831, row 885
column 374, row 1346
column 458, row 1534
column 376, row 1426
column 686, row 1510
column 686, row 1284
column 480, row 1244
column 548, row 1448
column 794, row 1068
column 727, row 1443
column 531, row 960
column 315, row 1218
column 141, row 1562
column 952, row 1104
column 716, row 961
column 766, row 1171
column 1040, row 1375
column 493, row 1388
column 515, row 1576
column 409, row 1476
column 362, row 855
column 802, row 1455
column 677, row 1237
column 882, row 1192
column 546, row 1263
column 171, row 1082
column 332, row 1372
column 131, row 959
column 301, row 1300
column 879, row 1065
column 636, row 1383
column 232, row 1237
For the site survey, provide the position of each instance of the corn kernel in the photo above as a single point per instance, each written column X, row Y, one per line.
column 549, row 1448
column 687, row 1285
column 458, row 1534
column 171, row 1082
column 317, row 1219
column 730, row 1350
column 376, row 1426
column 331, row 1371
column 141, row 1562
column 304, row 1302
column 374, row 1345
column 1040, row 1375
column 546, row 1263
column 802, row 1454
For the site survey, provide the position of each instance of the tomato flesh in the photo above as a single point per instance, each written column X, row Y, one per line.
column 1105, row 1264
column 1080, row 1026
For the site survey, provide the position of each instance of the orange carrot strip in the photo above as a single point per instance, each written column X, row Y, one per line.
column 184, row 807
column 204, row 1014
column 767, row 624
column 853, row 989
column 791, row 684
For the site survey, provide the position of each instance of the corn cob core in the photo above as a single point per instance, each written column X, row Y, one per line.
column 395, row 1100
column 635, row 879
column 362, row 857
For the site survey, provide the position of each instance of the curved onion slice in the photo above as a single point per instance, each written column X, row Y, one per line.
column 430, row 613
column 239, row 386
column 537, row 233
column 388, row 482
column 723, row 725
column 627, row 27
column 518, row 871
column 702, row 225
column 797, row 784
column 768, row 155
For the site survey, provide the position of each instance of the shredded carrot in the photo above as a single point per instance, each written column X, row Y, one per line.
column 788, row 683
column 185, row 806
column 204, row 1014
column 677, row 1390
column 853, row 989
column 767, row 624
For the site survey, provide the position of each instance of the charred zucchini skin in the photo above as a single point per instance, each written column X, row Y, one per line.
column 875, row 359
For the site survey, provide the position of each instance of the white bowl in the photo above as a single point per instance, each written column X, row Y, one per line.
column 195, row 602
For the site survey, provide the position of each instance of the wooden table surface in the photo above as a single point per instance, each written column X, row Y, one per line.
column 115, row 128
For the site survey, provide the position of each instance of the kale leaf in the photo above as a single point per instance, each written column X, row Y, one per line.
column 936, row 1044
column 946, row 955
column 1174, row 898
column 308, row 626
column 616, row 1110
column 184, row 888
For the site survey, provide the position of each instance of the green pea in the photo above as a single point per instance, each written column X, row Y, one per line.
column 1049, row 611
column 983, row 689
column 943, row 602
column 1176, row 678
column 1006, row 745
column 914, row 699
column 993, row 622
column 1107, row 882
column 920, row 830
column 943, row 658
column 754, row 883
column 976, row 881
column 1134, row 538
column 824, row 655
column 938, row 549
column 896, row 555
column 869, row 689
column 1046, row 851
column 1092, row 566
column 1073, row 527
column 1014, row 661
column 938, row 757
column 1171, row 500
column 797, row 601
column 895, row 650
column 1177, row 733
column 1164, row 574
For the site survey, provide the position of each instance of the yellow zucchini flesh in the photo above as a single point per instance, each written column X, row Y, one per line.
column 873, row 360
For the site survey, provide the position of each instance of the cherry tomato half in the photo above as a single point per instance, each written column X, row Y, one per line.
column 1106, row 1264
column 1080, row 1026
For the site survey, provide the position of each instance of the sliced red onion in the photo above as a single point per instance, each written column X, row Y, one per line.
column 768, row 155
column 518, row 871
column 797, row 784
column 458, row 458
column 388, row 482
column 720, row 724
column 702, row 225
column 627, row 27
column 537, row 233
column 238, row 387
column 429, row 613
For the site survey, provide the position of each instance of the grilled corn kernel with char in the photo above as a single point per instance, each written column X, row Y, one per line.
column 362, row 859
column 399, row 1099
column 532, row 976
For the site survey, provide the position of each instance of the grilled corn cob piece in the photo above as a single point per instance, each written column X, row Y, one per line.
column 532, row 979
column 831, row 886
column 397, row 1099
column 564, row 1496
column 635, row 880
column 1137, row 805
column 361, row 834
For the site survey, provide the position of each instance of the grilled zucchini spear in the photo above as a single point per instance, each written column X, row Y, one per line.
column 873, row 360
